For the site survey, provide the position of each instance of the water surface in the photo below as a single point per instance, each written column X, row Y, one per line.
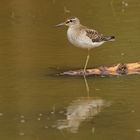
column 36, row 105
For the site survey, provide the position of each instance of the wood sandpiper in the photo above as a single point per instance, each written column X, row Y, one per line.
column 84, row 37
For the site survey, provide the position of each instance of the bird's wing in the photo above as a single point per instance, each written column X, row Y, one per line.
column 94, row 35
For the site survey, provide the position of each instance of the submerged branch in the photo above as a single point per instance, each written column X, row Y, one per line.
column 119, row 69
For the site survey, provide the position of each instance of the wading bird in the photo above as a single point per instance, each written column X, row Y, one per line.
column 84, row 37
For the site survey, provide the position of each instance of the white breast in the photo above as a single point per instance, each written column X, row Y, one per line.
column 73, row 37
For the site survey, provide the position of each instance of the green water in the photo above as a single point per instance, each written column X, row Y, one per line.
column 37, row 105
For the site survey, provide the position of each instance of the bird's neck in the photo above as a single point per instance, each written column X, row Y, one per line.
column 75, row 26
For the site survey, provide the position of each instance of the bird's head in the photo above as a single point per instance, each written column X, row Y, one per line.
column 70, row 22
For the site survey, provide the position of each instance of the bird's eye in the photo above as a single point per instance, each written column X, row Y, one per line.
column 70, row 20
column 67, row 22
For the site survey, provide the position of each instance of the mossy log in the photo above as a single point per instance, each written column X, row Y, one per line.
column 116, row 70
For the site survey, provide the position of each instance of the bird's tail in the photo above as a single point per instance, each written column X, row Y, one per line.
column 109, row 38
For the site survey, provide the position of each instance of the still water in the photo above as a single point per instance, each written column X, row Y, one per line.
column 35, row 104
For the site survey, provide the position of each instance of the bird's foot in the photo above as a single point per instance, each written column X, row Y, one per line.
column 84, row 72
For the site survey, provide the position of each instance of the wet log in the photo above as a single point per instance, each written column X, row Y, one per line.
column 116, row 70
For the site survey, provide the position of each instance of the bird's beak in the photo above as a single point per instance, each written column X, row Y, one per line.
column 61, row 24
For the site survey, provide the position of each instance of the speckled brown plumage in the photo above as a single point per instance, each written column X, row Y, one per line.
column 96, row 37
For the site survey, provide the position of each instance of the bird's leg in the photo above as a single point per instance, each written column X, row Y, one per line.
column 87, row 59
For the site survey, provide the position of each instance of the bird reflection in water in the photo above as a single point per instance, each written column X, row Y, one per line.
column 79, row 111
